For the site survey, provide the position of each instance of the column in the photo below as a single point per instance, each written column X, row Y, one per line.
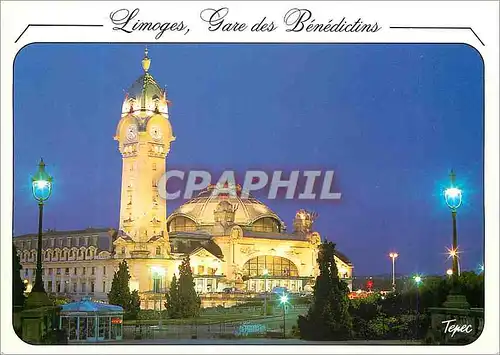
column 78, row 328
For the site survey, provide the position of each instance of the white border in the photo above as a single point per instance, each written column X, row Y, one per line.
column 481, row 16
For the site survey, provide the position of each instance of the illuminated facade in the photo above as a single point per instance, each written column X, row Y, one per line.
column 232, row 242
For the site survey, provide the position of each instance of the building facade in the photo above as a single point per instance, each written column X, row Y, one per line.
column 233, row 241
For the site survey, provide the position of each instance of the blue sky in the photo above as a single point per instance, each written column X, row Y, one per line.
column 391, row 120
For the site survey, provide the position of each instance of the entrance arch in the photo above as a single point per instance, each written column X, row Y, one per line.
column 273, row 266
column 264, row 273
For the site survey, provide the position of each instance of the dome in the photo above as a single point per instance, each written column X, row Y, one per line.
column 145, row 95
column 201, row 209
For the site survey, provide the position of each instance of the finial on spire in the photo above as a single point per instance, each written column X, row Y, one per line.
column 146, row 62
column 452, row 176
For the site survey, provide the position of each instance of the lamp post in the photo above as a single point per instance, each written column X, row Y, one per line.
column 284, row 301
column 265, row 273
column 453, row 198
column 41, row 187
column 418, row 281
column 393, row 256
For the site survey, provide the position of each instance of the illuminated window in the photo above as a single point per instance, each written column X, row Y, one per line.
column 274, row 265
column 158, row 251
column 266, row 224
column 182, row 224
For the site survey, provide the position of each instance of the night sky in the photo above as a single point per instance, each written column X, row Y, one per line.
column 391, row 120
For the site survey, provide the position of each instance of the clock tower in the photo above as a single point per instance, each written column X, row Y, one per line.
column 144, row 135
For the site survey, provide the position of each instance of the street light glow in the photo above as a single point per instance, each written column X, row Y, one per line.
column 453, row 195
column 452, row 252
column 449, row 272
column 393, row 255
column 418, row 279
column 41, row 184
column 284, row 299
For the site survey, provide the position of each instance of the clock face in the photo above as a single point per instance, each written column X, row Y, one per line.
column 132, row 132
column 155, row 132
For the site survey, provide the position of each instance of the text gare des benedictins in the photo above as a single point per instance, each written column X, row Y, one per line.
column 218, row 20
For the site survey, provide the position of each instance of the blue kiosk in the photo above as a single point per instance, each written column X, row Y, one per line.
column 92, row 321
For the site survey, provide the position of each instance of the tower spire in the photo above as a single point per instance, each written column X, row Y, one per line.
column 146, row 62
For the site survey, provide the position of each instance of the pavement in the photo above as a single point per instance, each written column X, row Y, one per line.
column 261, row 341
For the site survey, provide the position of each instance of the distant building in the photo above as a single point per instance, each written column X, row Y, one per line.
column 232, row 241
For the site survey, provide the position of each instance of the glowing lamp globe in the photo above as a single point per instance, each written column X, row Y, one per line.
column 453, row 197
column 284, row 299
column 418, row 279
column 41, row 184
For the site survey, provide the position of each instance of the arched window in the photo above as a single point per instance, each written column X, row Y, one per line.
column 266, row 224
column 182, row 224
column 276, row 266
column 158, row 251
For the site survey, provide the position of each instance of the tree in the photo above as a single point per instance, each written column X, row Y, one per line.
column 173, row 301
column 328, row 317
column 18, row 286
column 120, row 291
column 189, row 302
column 135, row 304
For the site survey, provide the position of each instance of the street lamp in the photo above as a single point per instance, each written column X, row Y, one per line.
column 449, row 272
column 41, row 187
column 453, row 198
column 418, row 280
column 265, row 273
column 393, row 256
column 453, row 253
column 284, row 302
